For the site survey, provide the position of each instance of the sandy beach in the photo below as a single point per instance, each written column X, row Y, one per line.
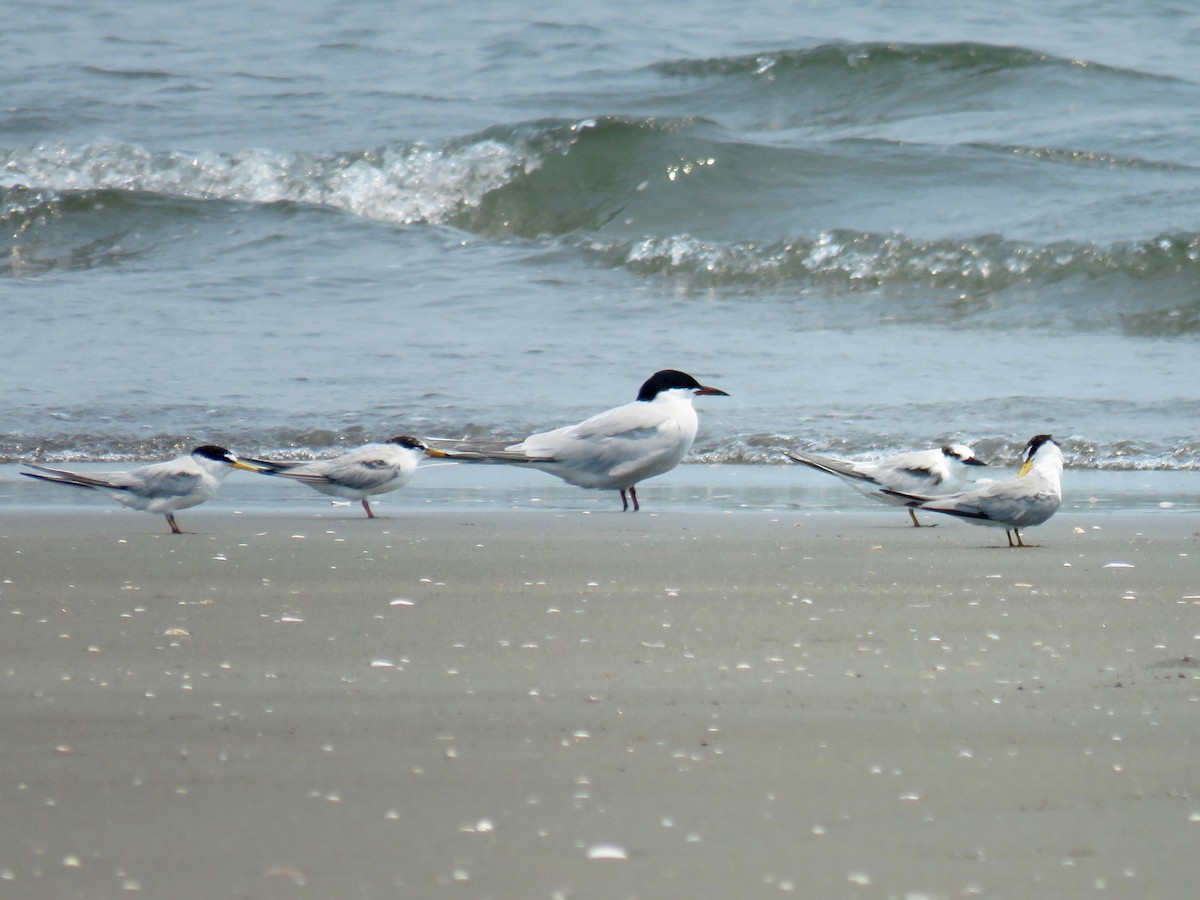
column 520, row 703
column 295, row 229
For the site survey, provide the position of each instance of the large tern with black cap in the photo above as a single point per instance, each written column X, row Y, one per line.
column 613, row 450
column 1022, row 502
column 926, row 472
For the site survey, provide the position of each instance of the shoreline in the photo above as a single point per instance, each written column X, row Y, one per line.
column 690, row 488
column 519, row 703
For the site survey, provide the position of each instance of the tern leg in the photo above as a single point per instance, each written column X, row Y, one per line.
column 171, row 522
column 633, row 496
column 917, row 524
column 367, row 507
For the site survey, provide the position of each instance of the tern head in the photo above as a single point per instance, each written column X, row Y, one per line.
column 408, row 441
column 674, row 380
column 1038, row 445
column 415, row 443
column 221, row 455
column 963, row 454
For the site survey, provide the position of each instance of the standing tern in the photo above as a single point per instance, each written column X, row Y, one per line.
column 613, row 450
column 359, row 474
column 1022, row 502
column 161, row 487
column 926, row 472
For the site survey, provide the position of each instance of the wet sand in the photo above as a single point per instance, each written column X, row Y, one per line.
column 539, row 703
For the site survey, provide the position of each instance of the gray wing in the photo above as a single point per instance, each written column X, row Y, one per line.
column 1018, row 508
column 1013, row 502
column 913, row 500
column 273, row 466
column 110, row 481
column 480, row 451
column 358, row 475
column 832, row 466
column 62, row 476
column 154, row 483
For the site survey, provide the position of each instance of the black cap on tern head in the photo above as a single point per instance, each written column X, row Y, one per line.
column 673, row 379
column 1035, row 444
column 407, row 440
column 212, row 451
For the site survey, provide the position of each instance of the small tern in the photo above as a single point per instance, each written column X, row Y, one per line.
column 359, row 474
column 1022, row 502
column 162, row 487
column 613, row 450
column 926, row 472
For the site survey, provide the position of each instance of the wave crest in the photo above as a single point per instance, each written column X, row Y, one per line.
column 874, row 57
column 864, row 260
column 404, row 184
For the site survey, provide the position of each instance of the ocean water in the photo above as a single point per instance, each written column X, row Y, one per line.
column 294, row 226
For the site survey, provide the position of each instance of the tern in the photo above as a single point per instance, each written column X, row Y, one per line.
column 361, row 473
column 925, row 472
column 162, row 487
column 1022, row 502
column 613, row 450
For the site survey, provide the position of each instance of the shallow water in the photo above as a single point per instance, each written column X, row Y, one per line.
column 877, row 227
